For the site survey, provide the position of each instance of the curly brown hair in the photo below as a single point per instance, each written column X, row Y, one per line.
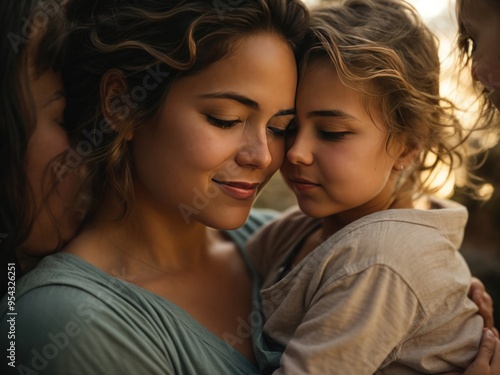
column 151, row 44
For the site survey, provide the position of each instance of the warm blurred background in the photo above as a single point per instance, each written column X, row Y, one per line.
column 481, row 246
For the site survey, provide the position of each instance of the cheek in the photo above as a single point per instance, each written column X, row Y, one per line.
column 486, row 67
column 277, row 150
column 45, row 145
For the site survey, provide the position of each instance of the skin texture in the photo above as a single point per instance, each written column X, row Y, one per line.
column 179, row 160
column 482, row 22
column 55, row 219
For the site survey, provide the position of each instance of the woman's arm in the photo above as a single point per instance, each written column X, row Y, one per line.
column 487, row 361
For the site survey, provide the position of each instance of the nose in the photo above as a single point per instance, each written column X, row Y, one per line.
column 299, row 149
column 255, row 150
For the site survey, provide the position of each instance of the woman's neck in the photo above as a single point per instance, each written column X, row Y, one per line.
column 149, row 235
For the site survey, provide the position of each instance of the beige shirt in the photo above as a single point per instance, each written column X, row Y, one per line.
column 387, row 294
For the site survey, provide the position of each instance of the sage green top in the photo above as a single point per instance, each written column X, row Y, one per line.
column 73, row 318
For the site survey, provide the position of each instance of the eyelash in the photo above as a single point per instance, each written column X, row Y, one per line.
column 227, row 124
column 277, row 131
column 332, row 136
column 327, row 136
column 223, row 124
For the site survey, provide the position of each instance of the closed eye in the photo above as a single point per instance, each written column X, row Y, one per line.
column 223, row 124
column 332, row 136
column 277, row 131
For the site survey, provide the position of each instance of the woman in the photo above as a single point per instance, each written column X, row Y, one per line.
column 36, row 216
column 171, row 78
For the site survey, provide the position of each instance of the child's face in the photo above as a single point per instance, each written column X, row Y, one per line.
column 482, row 21
column 337, row 159
column 219, row 136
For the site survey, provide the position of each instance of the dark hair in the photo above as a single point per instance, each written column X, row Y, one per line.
column 144, row 38
column 38, row 24
column 383, row 49
column 488, row 116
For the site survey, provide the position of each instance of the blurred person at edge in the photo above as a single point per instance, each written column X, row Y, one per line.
column 37, row 215
column 478, row 33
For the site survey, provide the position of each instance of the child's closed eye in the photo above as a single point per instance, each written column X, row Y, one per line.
column 333, row 136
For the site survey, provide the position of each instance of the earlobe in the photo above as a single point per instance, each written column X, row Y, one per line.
column 406, row 158
column 115, row 108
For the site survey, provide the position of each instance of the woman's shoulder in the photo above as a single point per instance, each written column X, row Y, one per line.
column 61, row 269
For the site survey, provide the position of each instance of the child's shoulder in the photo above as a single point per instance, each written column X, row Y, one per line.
column 421, row 246
column 407, row 230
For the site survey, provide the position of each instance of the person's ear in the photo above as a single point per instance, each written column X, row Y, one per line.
column 406, row 158
column 116, row 108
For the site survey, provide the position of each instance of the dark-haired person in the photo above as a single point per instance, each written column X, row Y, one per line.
column 183, row 106
column 37, row 214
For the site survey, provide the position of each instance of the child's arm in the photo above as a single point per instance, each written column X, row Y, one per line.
column 356, row 324
column 353, row 324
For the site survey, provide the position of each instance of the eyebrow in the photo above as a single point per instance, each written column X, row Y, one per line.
column 245, row 101
column 336, row 113
column 58, row 94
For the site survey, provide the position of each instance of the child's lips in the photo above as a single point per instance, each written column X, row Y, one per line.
column 302, row 184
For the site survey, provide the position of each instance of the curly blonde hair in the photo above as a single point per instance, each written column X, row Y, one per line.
column 384, row 49
column 150, row 43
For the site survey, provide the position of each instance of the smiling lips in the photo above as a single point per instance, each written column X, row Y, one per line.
column 237, row 189
column 302, row 185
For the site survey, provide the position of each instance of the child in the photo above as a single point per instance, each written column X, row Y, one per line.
column 478, row 31
column 386, row 289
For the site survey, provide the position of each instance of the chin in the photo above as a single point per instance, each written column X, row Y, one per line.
column 226, row 218
column 310, row 210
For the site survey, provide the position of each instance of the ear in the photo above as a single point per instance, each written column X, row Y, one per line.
column 405, row 158
column 115, row 103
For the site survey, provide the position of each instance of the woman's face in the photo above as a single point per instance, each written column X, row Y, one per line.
column 55, row 220
column 219, row 138
column 482, row 22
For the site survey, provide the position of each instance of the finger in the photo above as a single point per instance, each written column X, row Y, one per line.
column 495, row 361
column 484, row 303
column 486, row 312
column 476, row 285
column 486, row 348
column 495, row 331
